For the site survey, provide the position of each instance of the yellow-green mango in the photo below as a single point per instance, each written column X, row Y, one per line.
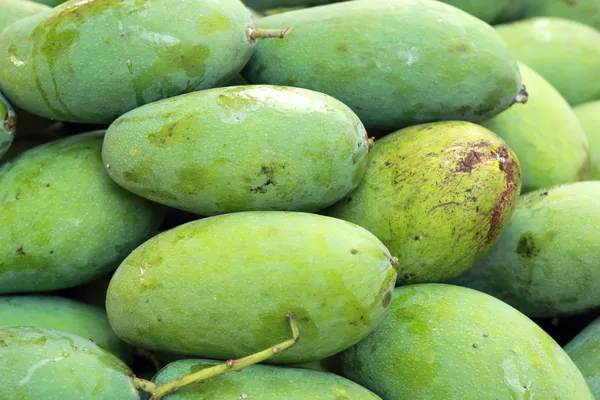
column 437, row 195
column 64, row 221
column 584, row 350
column 241, row 148
column 220, row 287
column 447, row 342
column 566, row 53
column 14, row 10
column 545, row 134
column 490, row 11
column 396, row 63
column 545, row 263
column 585, row 11
column 589, row 117
column 8, row 122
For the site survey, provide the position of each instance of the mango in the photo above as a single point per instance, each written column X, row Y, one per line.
column 587, row 113
column 14, row 10
column 490, row 11
column 41, row 363
column 584, row 11
column 545, row 263
column 242, row 148
column 564, row 52
column 220, row 286
column 441, row 341
column 263, row 382
column 584, row 350
column 91, row 61
column 437, row 195
column 394, row 62
column 541, row 132
column 65, row 221
column 62, row 314
column 8, row 126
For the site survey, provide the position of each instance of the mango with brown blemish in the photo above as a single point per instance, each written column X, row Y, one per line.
column 8, row 125
column 12, row 11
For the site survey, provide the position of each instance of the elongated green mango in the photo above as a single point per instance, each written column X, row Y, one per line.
column 447, row 342
column 566, row 53
column 14, row 10
column 545, row 263
column 584, row 350
column 437, row 195
column 584, row 11
column 545, row 134
column 490, row 11
column 240, row 148
column 93, row 60
column 8, row 126
column 64, row 221
column 394, row 62
column 588, row 115
column 219, row 287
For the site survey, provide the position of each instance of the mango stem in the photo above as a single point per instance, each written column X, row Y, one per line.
column 253, row 33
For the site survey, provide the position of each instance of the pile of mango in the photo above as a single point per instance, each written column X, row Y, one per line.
column 300, row 199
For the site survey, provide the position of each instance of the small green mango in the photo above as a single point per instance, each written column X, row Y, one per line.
column 437, row 195
column 242, row 148
column 62, row 314
column 8, row 126
column 584, row 350
column 14, row 10
column 272, row 4
column 446, row 342
column 490, row 11
column 588, row 113
column 220, row 286
column 262, row 382
column 542, row 132
column 584, row 11
column 40, row 363
column 566, row 53
column 396, row 63
column 64, row 220
column 545, row 263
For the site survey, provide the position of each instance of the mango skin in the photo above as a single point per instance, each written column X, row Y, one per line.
column 8, row 125
column 220, row 287
column 446, row 342
column 14, row 10
column 584, row 350
column 39, row 363
column 545, row 263
column 541, row 132
column 65, row 221
column 92, row 61
column 459, row 68
column 564, row 52
column 587, row 113
column 584, row 11
column 437, row 195
column 243, row 148
column 490, row 11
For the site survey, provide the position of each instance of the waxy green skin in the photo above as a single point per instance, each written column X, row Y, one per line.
column 14, row 10
column 392, row 61
column 489, row 11
column 8, row 125
column 584, row 350
column 63, row 314
column 545, row 263
column 65, row 221
column 546, row 135
column 584, row 11
column 564, row 52
column 437, row 195
column 220, row 287
column 446, row 342
column 241, row 148
column 40, row 363
column 91, row 61
column 262, row 382
column 588, row 113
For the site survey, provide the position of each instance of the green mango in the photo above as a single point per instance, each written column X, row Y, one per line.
column 584, row 11
column 541, row 132
column 437, row 195
column 584, row 350
column 91, row 61
column 566, row 53
column 587, row 113
column 64, row 220
column 277, row 148
column 40, row 363
column 262, row 382
column 62, row 314
column 490, row 11
column 14, row 10
column 446, row 342
column 396, row 63
column 271, row 4
column 545, row 263
column 8, row 126
column 220, row 286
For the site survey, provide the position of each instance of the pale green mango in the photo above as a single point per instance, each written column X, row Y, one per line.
column 545, row 134
column 584, row 350
column 220, row 287
column 242, row 148
column 490, row 11
column 64, row 220
column 585, row 11
column 8, row 126
column 545, row 263
column 14, row 10
column 589, row 117
column 437, row 195
column 566, row 53
column 443, row 342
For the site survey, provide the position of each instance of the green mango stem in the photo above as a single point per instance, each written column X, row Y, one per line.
column 159, row 391
column 253, row 33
